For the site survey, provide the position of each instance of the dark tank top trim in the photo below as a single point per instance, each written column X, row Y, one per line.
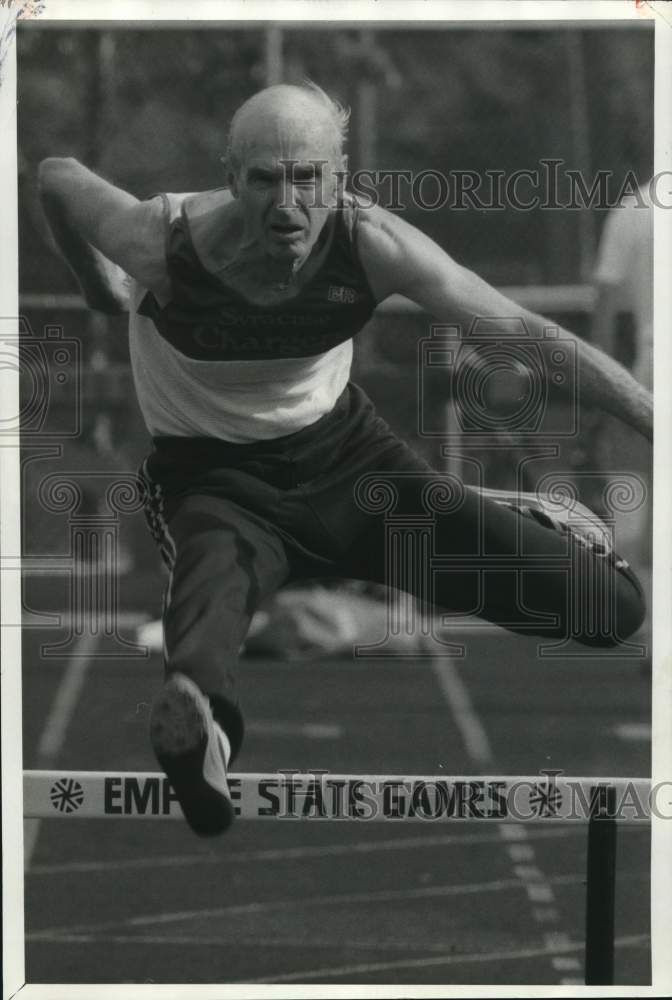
column 208, row 321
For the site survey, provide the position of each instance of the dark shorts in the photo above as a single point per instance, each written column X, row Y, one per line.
column 342, row 498
column 302, row 484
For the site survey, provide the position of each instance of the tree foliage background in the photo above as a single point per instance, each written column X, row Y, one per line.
column 150, row 109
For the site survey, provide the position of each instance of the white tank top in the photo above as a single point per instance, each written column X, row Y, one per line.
column 238, row 401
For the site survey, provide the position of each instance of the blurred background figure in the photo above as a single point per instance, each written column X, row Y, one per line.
column 623, row 328
column 623, row 318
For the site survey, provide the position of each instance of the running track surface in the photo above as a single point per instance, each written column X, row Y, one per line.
column 143, row 902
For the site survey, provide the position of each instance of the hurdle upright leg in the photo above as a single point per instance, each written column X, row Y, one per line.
column 600, row 888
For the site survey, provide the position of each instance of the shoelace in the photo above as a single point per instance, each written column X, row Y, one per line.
column 589, row 541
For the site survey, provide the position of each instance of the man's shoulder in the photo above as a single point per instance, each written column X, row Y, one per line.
column 395, row 254
column 383, row 234
column 202, row 205
column 214, row 222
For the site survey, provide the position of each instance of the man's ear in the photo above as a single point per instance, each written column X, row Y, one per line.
column 342, row 166
column 342, row 173
column 232, row 182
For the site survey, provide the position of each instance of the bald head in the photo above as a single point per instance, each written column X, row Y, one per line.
column 285, row 169
column 287, row 115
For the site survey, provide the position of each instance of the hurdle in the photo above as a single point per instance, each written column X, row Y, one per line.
column 293, row 795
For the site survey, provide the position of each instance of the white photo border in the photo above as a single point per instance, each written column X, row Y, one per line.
column 461, row 13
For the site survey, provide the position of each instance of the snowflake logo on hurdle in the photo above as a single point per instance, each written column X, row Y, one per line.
column 546, row 799
column 66, row 795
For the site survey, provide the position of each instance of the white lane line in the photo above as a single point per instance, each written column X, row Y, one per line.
column 248, row 937
column 309, row 730
column 512, row 831
column 556, row 941
column 529, row 873
column 633, row 732
column 56, row 726
column 633, row 941
column 67, row 696
column 456, row 694
column 530, row 877
column 539, row 892
column 290, row 854
column 563, row 964
column 520, row 852
column 308, row 903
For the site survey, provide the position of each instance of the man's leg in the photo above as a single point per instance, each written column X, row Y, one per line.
column 514, row 567
column 222, row 562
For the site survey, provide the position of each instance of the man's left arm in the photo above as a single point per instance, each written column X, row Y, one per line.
column 399, row 259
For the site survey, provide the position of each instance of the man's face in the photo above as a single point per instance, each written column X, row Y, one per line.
column 286, row 184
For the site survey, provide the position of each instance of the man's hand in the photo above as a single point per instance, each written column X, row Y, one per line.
column 399, row 259
column 103, row 232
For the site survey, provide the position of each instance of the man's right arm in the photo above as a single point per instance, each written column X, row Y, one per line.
column 97, row 226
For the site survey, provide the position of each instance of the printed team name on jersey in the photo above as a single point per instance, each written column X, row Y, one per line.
column 236, row 333
column 210, row 321
column 218, row 341
column 225, row 318
column 341, row 293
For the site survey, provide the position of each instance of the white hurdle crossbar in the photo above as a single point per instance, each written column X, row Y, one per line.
column 321, row 795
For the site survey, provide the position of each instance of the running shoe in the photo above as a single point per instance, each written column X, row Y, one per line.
column 565, row 515
column 193, row 751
